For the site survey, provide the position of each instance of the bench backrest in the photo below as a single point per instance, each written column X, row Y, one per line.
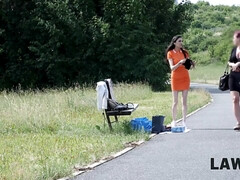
column 110, row 88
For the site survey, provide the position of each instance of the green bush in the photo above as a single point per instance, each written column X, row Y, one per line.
column 209, row 37
column 201, row 58
column 221, row 51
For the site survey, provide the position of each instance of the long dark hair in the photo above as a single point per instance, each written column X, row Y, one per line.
column 171, row 46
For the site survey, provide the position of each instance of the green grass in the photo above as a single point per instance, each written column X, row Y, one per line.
column 207, row 73
column 44, row 134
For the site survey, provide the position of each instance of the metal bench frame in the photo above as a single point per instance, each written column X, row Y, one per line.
column 117, row 113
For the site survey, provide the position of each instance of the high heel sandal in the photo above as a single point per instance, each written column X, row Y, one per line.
column 237, row 128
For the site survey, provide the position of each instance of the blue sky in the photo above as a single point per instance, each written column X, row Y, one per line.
column 218, row 2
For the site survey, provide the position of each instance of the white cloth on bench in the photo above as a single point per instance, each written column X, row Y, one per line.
column 102, row 95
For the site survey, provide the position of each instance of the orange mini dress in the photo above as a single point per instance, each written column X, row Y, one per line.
column 180, row 79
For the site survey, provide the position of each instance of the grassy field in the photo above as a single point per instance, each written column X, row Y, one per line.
column 44, row 134
column 207, row 73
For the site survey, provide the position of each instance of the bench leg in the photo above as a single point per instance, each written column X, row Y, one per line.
column 116, row 118
column 109, row 122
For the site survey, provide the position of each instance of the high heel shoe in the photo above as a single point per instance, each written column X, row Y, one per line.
column 184, row 124
column 173, row 124
column 237, row 128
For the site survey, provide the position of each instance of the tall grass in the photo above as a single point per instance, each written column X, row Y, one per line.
column 210, row 73
column 44, row 134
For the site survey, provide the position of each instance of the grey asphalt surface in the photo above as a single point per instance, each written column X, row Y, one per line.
column 184, row 156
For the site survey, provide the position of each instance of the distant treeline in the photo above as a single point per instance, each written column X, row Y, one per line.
column 209, row 37
column 54, row 43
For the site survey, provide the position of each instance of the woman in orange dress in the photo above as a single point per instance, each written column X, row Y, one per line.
column 180, row 80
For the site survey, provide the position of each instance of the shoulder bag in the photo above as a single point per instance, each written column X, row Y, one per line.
column 223, row 82
column 188, row 63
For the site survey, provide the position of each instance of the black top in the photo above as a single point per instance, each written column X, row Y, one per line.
column 233, row 58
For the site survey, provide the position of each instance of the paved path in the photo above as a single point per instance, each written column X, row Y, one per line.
column 182, row 156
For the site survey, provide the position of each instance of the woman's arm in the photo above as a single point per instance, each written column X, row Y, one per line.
column 234, row 66
column 174, row 67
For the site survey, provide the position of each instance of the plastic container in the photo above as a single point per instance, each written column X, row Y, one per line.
column 178, row 129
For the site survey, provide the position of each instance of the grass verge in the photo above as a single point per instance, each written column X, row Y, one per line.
column 44, row 134
column 209, row 74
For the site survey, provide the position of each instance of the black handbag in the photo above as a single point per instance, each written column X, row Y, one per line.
column 188, row 63
column 115, row 106
column 223, row 82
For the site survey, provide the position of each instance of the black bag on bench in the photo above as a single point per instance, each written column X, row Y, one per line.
column 114, row 105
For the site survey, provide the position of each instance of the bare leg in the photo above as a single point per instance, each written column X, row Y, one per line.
column 174, row 107
column 236, row 107
column 184, row 105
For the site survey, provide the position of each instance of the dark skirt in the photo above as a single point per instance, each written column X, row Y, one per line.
column 234, row 81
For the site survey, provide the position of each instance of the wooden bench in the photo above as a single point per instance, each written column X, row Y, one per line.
column 116, row 113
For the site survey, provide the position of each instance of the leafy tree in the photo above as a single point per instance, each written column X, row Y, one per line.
column 60, row 43
column 211, row 31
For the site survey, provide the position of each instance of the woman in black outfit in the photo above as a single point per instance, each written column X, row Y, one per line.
column 234, row 78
